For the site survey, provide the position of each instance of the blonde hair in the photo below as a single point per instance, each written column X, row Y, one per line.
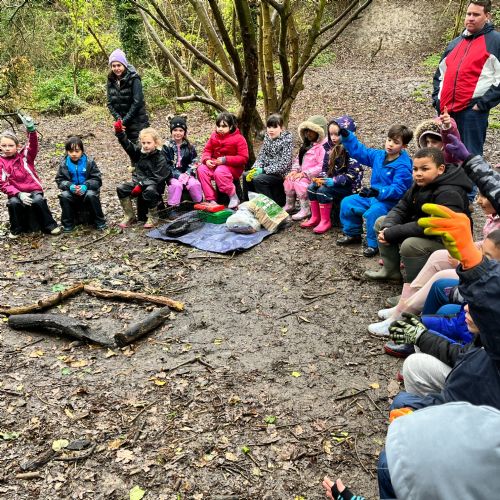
column 9, row 135
column 151, row 132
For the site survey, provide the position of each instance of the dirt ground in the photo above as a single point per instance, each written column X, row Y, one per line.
column 265, row 383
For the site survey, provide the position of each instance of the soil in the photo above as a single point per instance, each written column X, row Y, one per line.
column 265, row 383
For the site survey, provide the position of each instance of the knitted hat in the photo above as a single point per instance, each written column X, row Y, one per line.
column 345, row 121
column 316, row 123
column 428, row 128
column 118, row 56
column 178, row 122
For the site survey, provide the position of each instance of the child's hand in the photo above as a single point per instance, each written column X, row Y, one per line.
column 381, row 237
column 327, row 484
column 81, row 189
column 28, row 122
column 210, row 164
column 445, row 119
column 220, row 161
column 319, row 181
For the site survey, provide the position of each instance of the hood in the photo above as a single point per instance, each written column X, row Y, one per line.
column 315, row 123
column 429, row 458
column 454, row 176
column 430, row 126
column 486, row 29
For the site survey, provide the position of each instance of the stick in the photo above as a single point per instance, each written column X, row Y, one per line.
column 29, row 475
column 137, row 330
column 147, row 407
column 351, row 395
column 359, row 459
column 311, row 297
column 39, row 259
column 133, row 296
column 82, row 456
column 50, row 301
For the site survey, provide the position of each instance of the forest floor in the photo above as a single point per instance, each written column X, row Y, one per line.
column 291, row 386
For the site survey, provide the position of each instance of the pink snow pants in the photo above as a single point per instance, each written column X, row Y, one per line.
column 175, row 188
column 299, row 187
column 224, row 177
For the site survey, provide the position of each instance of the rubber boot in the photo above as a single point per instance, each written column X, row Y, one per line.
column 152, row 218
column 413, row 265
column 128, row 210
column 390, row 270
column 305, row 210
column 325, row 210
column 315, row 215
column 290, row 202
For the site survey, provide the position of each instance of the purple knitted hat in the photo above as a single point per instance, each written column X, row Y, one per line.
column 118, row 56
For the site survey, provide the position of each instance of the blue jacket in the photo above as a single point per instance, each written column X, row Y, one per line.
column 392, row 179
column 453, row 328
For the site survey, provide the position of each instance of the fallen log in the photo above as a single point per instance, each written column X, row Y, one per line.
column 46, row 303
column 103, row 293
column 57, row 324
column 137, row 330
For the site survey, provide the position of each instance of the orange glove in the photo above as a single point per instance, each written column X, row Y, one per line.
column 455, row 231
column 399, row 412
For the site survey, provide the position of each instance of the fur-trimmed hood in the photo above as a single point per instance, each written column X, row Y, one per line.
column 316, row 123
column 430, row 127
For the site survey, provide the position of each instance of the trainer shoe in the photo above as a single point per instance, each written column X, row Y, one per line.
column 380, row 329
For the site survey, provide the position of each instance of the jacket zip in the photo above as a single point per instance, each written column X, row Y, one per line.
column 458, row 69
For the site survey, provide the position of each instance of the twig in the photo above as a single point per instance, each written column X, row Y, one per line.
column 312, row 297
column 12, row 393
column 43, row 400
column 196, row 359
column 147, row 407
column 91, row 242
column 29, row 475
column 12, row 351
column 359, row 459
column 208, row 256
column 361, row 391
column 31, row 261
column 297, row 310
column 82, row 456
column 374, row 404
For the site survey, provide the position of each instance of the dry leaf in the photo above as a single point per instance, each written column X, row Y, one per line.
column 115, row 444
column 327, row 447
column 110, row 353
column 125, row 456
column 79, row 364
column 231, row 457
column 393, row 388
column 36, row 354
column 59, row 444
column 375, row 385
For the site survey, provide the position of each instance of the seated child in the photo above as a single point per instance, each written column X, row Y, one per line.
column 434, row 182
column 273, row 162
column 391, row 178
column 150, row 174
column 340, row 177
column 223, row 159
column 19, row 180
column 181, row 155
column 307, row 165
column 79, row 180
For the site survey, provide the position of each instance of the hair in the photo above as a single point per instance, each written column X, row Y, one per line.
column 400, row 132
column 305, row 146
column 73, row 142
column 435, row 154
column 338, row 155
column 228, row 118
column 486, row 4
column 9, row 135
column 274, row 120
column 494, row 237
column 153, row 133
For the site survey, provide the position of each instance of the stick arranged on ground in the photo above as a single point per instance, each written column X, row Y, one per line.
column 42, row 304
column 57, row 324
column 141, row 328
column 133, row 296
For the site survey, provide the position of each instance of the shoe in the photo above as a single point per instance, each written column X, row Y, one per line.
column 68, row 229
column 102, row 227
column 290, row 203
column 152, row 218
column 390, row 270
column 399, row 377
column 14, row 236
column 386, row 313
column 128, row 210
column 304, row 212
column 348, row 240
column 380, row 329
column 234, row 201
column 392, row 301
column 325, row 209
column 315, row 216
column 370, row 251
column 55, row 231
column 399, row 351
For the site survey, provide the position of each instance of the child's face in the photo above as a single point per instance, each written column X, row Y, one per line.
column 333, row 131
column 178, row 134
column 148, row 143
column 274, row 131
column 490, row 250
column 433, row 142
column 426, row 171
column 8, row 146
column 311, row 135
column 75, row 154
column 222, row 128
column 470, row 322
column 485, row 204
column 393, row 146
column 117, row 68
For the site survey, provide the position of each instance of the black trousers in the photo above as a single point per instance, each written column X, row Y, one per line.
column 20, row 214
column 149, row 194
column 270, row 185
column 71, row 204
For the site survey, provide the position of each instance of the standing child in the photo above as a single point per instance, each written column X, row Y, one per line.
column 149, row 178
column 340, row 177
column 307, row 165
column 274, row 161
column 79, row 180
column 224, row 158
column 391, row 177
column 181, row 155
column 19, row 180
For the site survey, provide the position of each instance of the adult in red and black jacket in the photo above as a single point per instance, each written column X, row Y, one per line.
column 467, row 80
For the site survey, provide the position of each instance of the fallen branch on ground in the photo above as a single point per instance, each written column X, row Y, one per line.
column 137, row 330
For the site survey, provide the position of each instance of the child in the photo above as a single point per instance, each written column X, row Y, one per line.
column 125, row 96
column 434, row 182
column 79, row 180
column 224, row 158
column 273, row 163
column 19, row 180
column 391, row 177
column 340, row 177
column 180, row 155
column 307, row 165
column 150, row 174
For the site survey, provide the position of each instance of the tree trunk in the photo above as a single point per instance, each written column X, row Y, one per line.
column 262, row 70
column 267, row 54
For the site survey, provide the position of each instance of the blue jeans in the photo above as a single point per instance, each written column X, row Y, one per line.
column 385, row 489
column 355, row 208
column 472, row 126
column 437, row 296
column 405, row 400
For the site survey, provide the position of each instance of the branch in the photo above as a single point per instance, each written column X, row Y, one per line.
column 284, row 13
column 279, row 7
column 338, row 19
column 98, row 42
column 18, row 8
column 204, row 100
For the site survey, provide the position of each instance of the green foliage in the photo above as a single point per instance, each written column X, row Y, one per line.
column 156, row 87
column 131, row 31
column 494, row 119
column 421, row 93
column 324, row 58
column 432, row 61
column 15, row 82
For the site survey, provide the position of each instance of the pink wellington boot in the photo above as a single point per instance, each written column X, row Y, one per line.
column 325, row 210
column 315, row 215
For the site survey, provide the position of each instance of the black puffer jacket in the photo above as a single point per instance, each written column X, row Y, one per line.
column 449, row 189
column 486, row 179
column 126, row 102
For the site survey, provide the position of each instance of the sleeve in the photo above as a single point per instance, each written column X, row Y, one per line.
column 5, row 185
column 168, row 154
column 239, row 159
column 451, row 198
column 319, row 156
column 62, row 178
column 137, row 101
column 400, row 184
column 354, row 171
column 207, row 150
column 487, row 180
column 32, row 147
column 440, row 348
column 94, row 179
column 396, row 225
column 492, row 67
column 359, row 151
column 436, row 83
column 160, row 171
column 129, row 147
column 111, row 109
column 283, row 164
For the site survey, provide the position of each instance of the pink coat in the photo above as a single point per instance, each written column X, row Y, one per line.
column 18, row 172
column 312, row 162
column 232, row 146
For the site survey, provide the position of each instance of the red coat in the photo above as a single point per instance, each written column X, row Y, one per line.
column 232, row 146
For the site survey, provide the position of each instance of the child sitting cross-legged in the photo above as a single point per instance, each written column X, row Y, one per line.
column 391, row 177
